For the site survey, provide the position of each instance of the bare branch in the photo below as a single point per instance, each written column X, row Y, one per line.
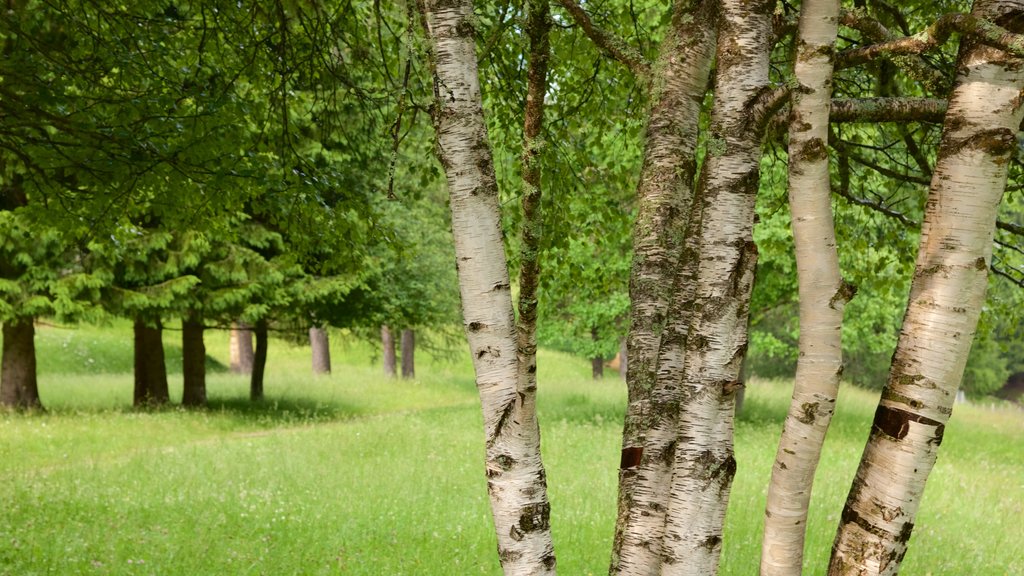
column 612, row 45
column 933, row 79
column 895, row 109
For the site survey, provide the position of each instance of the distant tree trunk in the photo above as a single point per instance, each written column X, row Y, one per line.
column 259, row 362
column 387, row 341
column 623, row 359
column 150, row 366
column 321, row 345
column 597, row 368
column 822, row 295
column 516, row 478
column 408, row 354
column 18, row 384
column 241, row 348
column 946, row 296
column 193, row 361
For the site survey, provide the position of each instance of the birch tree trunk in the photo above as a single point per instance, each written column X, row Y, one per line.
column 241, row 349
column 946, row 296
column 704, row 465
column 822, row 295
column 516, row 477
column 387, row 343
column 665, row 198
column 320, row 346
column 18, row 381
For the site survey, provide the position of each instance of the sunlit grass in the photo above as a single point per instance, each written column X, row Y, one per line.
column 354, row 473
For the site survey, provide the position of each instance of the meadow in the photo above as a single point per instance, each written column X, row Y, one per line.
column 354, row 473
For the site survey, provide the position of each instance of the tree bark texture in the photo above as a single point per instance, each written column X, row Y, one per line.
column 150, row 366
column 665, row 198
column 704, row 464
column 623, row 359
column 387, row 343
column 193, row 360
column 320, row 344
column 515, row 474
column 822, row 295
column 241, row 349
column 19, row 388
column 408, row 354
column 946, row 296
column 259, row 361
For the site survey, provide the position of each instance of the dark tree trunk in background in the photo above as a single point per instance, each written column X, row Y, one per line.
column 241, row 349
column 597, row 367
column 387, row 341
column 18, row 386
column 259, row 361
column 193, row 361
column 408, row 354
column 150, row 369
column 321, row 345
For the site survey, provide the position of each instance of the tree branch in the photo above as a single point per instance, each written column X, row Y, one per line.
column 612, row 45
column 894, row 109
column 933, row 79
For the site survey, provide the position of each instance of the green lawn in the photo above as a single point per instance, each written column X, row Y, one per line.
column 356, row 474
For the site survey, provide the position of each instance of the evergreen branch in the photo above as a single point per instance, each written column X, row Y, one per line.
column 612, row 45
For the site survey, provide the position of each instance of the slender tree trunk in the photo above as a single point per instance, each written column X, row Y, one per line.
column 515, row 474
column 408, row 354
column 821, row 290
column 946, row 297
column 597, row 368
column 193, row 360
column 241, row 348
column 665, row 197
column 259, row 362
column 321, row 345
column 704, row 464
column 150, row 366
column 18, row 384
column 387, row 341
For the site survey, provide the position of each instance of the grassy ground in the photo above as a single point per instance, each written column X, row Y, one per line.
column 356, row 474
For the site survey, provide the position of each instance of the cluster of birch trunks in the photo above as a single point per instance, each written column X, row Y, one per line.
column 693, row 269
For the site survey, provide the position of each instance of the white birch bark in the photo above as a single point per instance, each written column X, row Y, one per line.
column 945, row 301
column 821, row 290
column 658, row 325
column 516, row 479
column 704, row 464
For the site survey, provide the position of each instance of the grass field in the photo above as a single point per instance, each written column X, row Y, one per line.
column 356, row 474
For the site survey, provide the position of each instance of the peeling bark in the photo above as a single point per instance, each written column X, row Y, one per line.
column 704, row 464
column 822, row 295
column 150, row 366
column 19, row 387
column 946, row 296
column 320, row 344
column 193, row 360
column 515, row 475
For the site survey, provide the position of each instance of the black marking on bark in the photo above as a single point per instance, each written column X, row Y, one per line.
column 895, row 422
column 980, row 264
column 506, row 412
column 507, row 555
column 548, row 562
column 808, row 412
column 476, row 326
column 852, row 516
column 712, row 542
column 668, row 454
column 535, row 517
column 631, row 457
column 500, row 286
column 505, row 461
column 904, row 535
column 813, row 149
column 844, row 294
column 782, row 465
column 997, row 142
column 532, row 369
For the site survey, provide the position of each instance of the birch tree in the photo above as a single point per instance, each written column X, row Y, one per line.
column 822, row 294
column 516, row 477
column 945, row 301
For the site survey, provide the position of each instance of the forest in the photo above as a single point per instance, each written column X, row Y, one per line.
column 715, row 193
